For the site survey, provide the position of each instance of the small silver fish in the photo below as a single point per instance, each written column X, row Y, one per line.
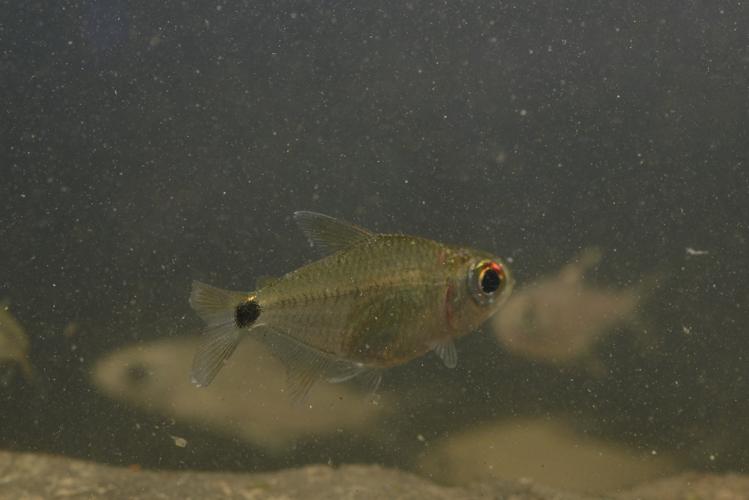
column 372, row 302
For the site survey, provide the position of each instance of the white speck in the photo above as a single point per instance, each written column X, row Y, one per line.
column 687, row 330
column 523, row 112
column 421, row 438
column 405, row 181
column 180, row 442
column 653, row 452
column 712, row 457
column 692, row 252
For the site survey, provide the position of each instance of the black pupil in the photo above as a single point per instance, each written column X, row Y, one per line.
column 490, row 281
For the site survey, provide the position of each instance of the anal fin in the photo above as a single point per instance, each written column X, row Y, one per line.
column 370, row 380
column 304, row 364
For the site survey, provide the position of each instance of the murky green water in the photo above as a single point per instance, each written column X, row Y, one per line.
column 146, row 146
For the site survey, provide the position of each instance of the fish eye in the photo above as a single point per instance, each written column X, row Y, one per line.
column 488, row 278
column 137, row 374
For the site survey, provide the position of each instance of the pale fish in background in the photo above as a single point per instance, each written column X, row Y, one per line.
column 14, row 343
column 547, row 452
column 248, row 403
column 559, row 319
column 372, row 302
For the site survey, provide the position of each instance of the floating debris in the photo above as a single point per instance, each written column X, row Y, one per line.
column 694, row 252
column 179, row 442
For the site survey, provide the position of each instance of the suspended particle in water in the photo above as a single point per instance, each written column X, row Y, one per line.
column 179, row 442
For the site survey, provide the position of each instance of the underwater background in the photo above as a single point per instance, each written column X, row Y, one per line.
column 147, row 145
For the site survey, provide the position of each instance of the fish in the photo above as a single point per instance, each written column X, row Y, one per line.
column 558, row 320
column 14, row 343
column 553, row 450
column 247, row 404
column 372, row 302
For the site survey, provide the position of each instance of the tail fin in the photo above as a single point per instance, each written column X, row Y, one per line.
column 214, row 305
column 218, row 309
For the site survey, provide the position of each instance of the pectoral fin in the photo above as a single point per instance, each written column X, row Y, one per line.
column 446, row 351
column 329, row 235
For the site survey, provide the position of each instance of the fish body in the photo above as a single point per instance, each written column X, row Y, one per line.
column 151, row 376
column 381, row 302
column 373, row 302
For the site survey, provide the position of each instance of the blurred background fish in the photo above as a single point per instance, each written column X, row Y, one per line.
column 559, row 319
column 248, row 403
column 14, row 346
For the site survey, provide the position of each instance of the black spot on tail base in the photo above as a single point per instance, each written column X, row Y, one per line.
column 247, row 312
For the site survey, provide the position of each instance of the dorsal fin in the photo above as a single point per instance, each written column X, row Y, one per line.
column 329, row 235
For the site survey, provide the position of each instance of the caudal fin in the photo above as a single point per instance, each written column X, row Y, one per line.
column 218, row 308
column 215, row 305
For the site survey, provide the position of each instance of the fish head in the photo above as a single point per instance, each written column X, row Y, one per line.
column 481, row 283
